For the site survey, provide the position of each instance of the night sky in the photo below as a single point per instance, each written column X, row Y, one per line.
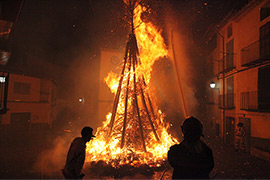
column 67, row 36
column 59, row 30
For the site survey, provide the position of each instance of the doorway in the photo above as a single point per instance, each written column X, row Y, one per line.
column 230, row 129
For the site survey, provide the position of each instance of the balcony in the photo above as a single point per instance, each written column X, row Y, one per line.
column 229, row 101
column 249, row 101
column 255, row 53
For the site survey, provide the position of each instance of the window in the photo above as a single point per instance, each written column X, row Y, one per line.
column 265, row 41
column 264, row 89
column 22, row 88
column 230, row 93
column 211, row 64
column 264, row 13
column 229, row 55
column 229, row 31
column 249, row 100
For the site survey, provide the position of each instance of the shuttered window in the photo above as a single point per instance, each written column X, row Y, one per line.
column 264, row 89
column 265, row 41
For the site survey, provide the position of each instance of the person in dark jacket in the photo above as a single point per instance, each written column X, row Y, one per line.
column 76, row 155
column 192, row 158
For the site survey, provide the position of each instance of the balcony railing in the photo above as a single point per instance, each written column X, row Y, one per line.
column 229, row 101
column 249, row 100
column 229, row 63
column 250, row 54
column 255, row 53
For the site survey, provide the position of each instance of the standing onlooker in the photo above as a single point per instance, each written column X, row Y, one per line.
column 192, row 158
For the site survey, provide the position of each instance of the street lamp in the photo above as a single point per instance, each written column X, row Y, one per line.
column 212, row 85
column 2, row 79
column 4, row 93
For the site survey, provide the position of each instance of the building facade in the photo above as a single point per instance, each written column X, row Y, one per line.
column 110, row 62
column 238, row 61
column 27, row 102
column 31, row 104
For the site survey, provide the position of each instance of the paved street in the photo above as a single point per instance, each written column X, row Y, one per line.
column 17, row 162
column 234, row 165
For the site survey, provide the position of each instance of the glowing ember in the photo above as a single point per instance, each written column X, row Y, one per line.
column 134, row 136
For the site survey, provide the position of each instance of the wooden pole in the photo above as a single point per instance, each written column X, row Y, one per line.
column 178, row 78
column 143, row 97
column 116, row 100
column 137, row 106
column 126, row 106
column 148, row 96
column 149, row 101
column 148, row 115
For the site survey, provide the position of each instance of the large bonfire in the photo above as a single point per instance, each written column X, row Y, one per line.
column 135, row 132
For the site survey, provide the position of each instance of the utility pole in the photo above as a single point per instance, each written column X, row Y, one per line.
column 223, row 87
column 178, row 78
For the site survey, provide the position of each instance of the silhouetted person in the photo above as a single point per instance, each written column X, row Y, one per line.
column 192, row 158
column 76, row 155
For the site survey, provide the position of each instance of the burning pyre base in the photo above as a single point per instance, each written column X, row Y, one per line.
column 116, row 170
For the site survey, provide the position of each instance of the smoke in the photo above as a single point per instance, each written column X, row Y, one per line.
column 81, row 82
column 188, row 58
column 165, row 83
column 184, row 70
column 52, row 159
column 73, row 114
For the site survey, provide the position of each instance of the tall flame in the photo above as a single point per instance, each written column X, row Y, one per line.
column 150, row 41
column 151, row 48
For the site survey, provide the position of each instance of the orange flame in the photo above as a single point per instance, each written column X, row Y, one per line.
column 150, row 42
column 151, row 47
column 112, row 81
